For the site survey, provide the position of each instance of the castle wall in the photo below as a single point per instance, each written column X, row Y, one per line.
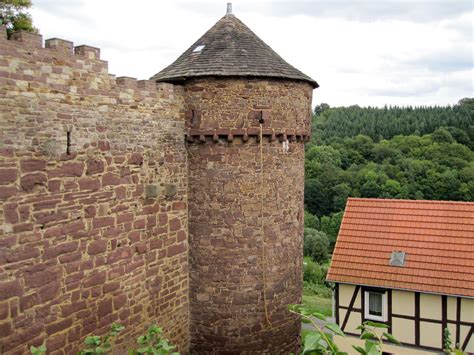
column 227, row 252
column 93, row 223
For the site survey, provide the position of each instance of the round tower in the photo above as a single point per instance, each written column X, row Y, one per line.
column 247, row 117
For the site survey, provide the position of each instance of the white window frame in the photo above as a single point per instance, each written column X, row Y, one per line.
column 367, row 315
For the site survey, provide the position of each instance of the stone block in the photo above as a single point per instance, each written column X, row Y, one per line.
column 170, row 190
column 60, row 45
column 8, row 176
column 29, row 181
column 29, row 38
column 152, row 191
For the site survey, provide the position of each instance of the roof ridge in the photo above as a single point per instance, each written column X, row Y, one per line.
column 394, row 200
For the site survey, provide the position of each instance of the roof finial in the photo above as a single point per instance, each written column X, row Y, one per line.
column 229, row 8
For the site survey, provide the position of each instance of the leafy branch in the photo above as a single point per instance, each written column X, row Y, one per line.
column 373, row 339
column 318, row 341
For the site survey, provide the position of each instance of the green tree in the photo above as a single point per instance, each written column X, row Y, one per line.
column 341, row 194
column 14, row 15
column 316, row 245
column 310, row 220
column 442, row 135
column 391, row 189
column 330, row 225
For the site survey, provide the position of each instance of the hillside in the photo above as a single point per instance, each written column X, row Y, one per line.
column 392, row 152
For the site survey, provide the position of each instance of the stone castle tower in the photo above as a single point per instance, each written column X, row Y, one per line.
column 247, row 115
column 175, row 201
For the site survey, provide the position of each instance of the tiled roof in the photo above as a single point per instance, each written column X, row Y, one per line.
column 437, row 237
column 230, row 49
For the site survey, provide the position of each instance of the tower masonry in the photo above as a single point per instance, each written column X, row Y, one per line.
column 247, row 115
column 175, row 201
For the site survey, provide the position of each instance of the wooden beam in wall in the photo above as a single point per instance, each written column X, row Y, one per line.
column 389, row 315
column 468, row 337
column 417, row 318
column 444, row 316
column 458, row 320
column 351, row 305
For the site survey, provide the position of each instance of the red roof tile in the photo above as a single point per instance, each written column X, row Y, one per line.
column 437, row 237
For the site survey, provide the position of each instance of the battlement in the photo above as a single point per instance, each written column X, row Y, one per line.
column 95, row 105
column 63, row 51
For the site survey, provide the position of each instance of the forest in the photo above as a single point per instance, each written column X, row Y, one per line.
column 391, row 152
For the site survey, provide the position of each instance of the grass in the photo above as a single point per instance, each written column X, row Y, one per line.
column 318, row 304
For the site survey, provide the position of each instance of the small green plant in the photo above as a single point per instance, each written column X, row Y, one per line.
column 101, row 345
column 38, row 350
column 447, row 342
column 448, row 347
column 318, row 341
column 370, row 332
column 152, row 343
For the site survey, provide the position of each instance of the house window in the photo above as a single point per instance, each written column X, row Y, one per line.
column 376, row 306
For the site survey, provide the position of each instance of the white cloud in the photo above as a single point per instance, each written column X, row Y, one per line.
column 360, row 59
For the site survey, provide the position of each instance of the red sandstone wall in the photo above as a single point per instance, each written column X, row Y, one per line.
column 226, row 285
column 98, row 235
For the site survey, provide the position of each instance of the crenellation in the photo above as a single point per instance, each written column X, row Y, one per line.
column 88, row 51
column 127, row 82
column 30, row 39
column 148, row 85
column 60, row 45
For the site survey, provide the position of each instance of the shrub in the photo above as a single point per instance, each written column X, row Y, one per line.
column 310, row 220
column 313, row 272
column 316, row 245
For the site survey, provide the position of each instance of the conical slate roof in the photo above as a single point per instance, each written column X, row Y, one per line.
column 230, row 48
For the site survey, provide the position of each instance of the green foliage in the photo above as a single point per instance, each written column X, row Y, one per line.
column 14, row 16
column 319, row 304
column 101, row 345
column 38, row 350
column 330, row 225
column 318, row 341
column 389, row 122
column 448, row 347
column 404, row 153
column 152, row 343
column 310, row 220
column 316, row 245
column 316, row 289
column 314, row 272
column 447, row 342
column 373, row 334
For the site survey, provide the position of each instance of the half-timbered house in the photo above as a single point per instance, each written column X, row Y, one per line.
column 408, row 264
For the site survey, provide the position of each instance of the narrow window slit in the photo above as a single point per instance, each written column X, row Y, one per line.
column 193, row 118
column 68, row 143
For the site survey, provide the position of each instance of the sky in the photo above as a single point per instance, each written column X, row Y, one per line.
column 366, row 53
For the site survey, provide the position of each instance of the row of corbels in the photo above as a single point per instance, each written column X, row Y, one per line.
column 245, row 134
